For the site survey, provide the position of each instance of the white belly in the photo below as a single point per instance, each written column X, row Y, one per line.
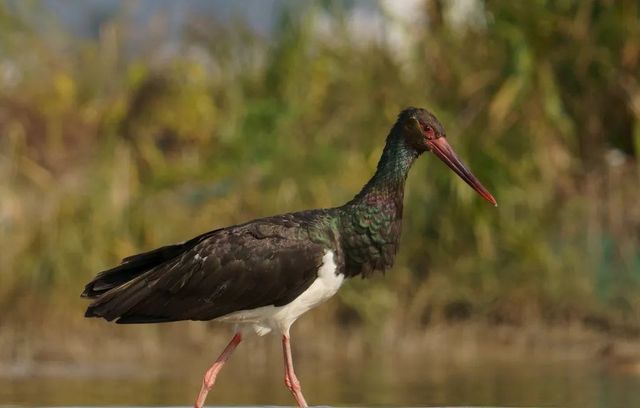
column 266, row 318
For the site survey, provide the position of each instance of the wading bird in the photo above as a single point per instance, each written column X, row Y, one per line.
column 263, row 275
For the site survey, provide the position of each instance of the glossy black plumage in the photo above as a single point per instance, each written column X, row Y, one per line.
column 269, row 261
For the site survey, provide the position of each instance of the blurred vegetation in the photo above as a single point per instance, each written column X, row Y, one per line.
column 110, row 146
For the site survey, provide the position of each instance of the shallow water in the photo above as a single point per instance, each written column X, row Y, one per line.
column 422, row 381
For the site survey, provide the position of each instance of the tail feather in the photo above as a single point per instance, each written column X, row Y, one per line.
column 119, row 289
column 130, row 268
column 111, row 305
column 136, row 265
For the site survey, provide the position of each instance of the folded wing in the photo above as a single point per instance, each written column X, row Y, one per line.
column 224, row 271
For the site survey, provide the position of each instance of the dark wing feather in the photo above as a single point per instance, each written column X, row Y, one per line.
column 136, row 265
column 233, row 269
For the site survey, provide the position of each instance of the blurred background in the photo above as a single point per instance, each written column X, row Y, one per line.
column 129, row 125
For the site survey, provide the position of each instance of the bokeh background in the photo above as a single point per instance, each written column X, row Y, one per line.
column 129, row 125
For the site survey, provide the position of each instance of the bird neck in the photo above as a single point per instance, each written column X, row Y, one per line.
column 387, row 184
column 371, row 222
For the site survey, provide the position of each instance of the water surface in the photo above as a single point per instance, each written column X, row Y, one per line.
column 423, row 381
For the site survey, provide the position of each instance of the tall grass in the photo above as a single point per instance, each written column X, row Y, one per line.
column 107, row 149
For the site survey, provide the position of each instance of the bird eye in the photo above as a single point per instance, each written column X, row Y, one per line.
column 427, row 129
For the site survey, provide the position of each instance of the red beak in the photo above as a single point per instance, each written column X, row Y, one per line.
column 441, row 148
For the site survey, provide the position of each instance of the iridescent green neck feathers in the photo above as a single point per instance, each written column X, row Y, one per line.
column 371, row 222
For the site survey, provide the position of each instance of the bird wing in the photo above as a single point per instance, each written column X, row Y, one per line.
column 266, row 262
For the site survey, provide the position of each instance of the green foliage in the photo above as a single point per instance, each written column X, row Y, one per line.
column 104, row 154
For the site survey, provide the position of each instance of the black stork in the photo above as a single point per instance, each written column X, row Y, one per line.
column 263, row 275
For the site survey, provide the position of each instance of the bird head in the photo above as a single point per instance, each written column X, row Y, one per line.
column 423, row 132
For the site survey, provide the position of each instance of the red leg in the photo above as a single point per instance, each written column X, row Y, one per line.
column 290, row 379
column 212, row 373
